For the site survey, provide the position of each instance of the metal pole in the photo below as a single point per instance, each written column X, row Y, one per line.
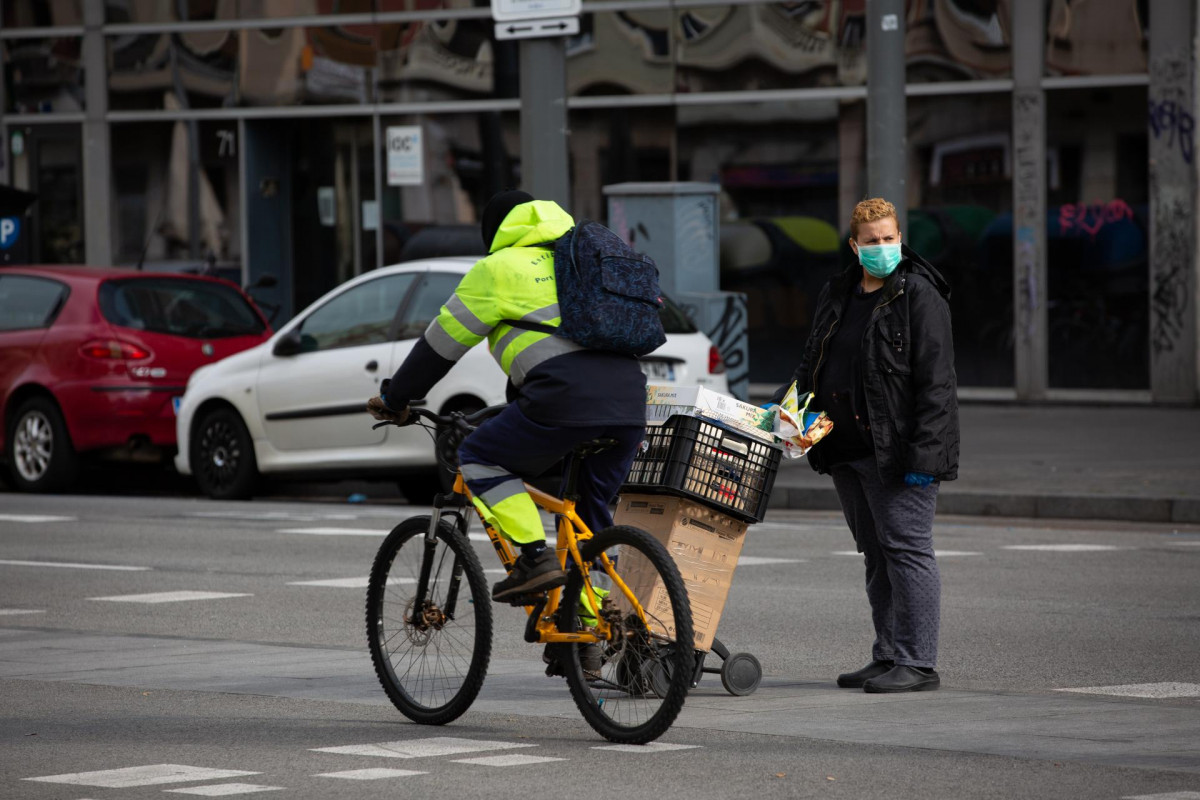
column 377, row 148
column 887, row 120
column 544, row 159
column 97, row 154
column 1173, row 206
column 1029, row 201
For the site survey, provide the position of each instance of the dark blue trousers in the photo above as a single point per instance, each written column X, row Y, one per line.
column 526, row 449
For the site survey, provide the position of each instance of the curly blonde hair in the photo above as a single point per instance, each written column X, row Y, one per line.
column 869, row 210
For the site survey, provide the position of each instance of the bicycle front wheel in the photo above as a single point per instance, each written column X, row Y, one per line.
column 632, row 687
column 432, row 653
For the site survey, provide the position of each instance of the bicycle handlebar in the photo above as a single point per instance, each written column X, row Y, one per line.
column 457, row 419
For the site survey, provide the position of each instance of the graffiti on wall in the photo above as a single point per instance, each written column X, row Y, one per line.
column 1172, row 124
column 1027, row 188
column 1091, row 218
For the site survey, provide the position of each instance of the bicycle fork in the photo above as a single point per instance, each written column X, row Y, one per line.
column 440, row 503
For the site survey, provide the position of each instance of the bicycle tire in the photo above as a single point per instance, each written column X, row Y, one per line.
column 643, row 677
column 431, row 672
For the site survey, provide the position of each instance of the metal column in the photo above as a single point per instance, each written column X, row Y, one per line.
column 544, row 157
column 1029, row 200
column 887, row 119
column 97, row 155
column 1173, row 206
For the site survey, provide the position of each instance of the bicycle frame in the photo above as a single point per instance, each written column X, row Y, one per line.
column 571, row 531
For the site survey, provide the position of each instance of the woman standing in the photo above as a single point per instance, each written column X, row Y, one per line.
column 880, row 362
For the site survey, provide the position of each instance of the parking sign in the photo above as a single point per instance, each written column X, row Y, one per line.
column 10, row 231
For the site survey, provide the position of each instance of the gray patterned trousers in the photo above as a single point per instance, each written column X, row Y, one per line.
column 893, row 529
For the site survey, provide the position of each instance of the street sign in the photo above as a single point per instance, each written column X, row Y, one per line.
column 10, row 231
column 405, row 156
column 508, row 10
column 533, row 28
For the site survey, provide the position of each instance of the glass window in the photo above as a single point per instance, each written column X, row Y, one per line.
column 960, row 220
column 1097, row 238
column 196, row 309
column 27, row 302
column 40, row 13
column 43, row 76
column 432, row 293
column 1099, row 37
column 361, row 315
column 674, row 319
column 622, row 52
column 958, row 40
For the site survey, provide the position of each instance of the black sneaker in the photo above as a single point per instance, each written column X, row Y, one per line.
column 530, row 575
column 590, row 658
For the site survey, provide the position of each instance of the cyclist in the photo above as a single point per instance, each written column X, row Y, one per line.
column 560, row 393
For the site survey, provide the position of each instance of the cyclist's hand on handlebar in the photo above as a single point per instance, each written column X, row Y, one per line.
column 379, row 410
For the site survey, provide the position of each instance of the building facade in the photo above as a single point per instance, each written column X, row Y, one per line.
column 1050, row 153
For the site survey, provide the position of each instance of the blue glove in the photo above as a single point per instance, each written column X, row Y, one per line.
column 918, row 479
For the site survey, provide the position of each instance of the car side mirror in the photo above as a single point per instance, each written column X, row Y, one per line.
column 289, row 344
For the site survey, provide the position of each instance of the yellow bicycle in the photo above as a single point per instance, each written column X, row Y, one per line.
column 620, row 630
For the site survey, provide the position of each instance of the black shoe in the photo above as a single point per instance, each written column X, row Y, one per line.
column 855, row 680
column 530, row 575
column 904, row 679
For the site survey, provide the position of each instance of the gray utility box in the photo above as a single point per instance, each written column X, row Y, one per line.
column 676, row 224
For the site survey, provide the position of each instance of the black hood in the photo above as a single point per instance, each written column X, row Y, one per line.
column 496, row 210
column 912, row 264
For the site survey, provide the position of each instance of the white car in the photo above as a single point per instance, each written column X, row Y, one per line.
column 295, row 405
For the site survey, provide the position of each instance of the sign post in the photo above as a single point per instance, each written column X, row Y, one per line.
column 405, row 156
column 541, row 25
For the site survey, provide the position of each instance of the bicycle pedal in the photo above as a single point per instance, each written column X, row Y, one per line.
column 526, row 599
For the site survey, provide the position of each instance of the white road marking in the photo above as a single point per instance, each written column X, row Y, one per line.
column 12, row 612
column 1064, row 548
column 652, row 747
column 34, row 518
column 755, row 561
column 479, row 537
column 1153, row 690
column 225, row 789
column 351, row 583
column 336, row 531
column 66, row 565
column 1184, row 544
column 168, row 597
column 1167, row 796
column 936, row 553
column 371, row 774
column 267, row 515
column 149, row 775
column 419, row 748
column 509, row 760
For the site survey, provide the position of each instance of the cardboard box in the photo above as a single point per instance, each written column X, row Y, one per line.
column 663, row 402
column 705, row 544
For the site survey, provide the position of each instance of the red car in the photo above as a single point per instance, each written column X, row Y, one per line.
column 93, row 360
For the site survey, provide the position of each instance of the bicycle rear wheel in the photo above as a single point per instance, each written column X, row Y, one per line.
column 631, row 688
column 430, row 660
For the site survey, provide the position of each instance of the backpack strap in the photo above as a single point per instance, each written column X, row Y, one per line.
column 530, row 326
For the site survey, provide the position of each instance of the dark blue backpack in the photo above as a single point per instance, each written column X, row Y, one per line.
column 608, row 295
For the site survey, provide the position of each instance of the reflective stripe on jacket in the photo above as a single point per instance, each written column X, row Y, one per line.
column 515, row 282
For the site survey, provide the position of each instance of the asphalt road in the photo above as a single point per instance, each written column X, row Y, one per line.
column 261, row 683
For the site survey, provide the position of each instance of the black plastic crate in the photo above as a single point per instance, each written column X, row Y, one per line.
column 704, row 461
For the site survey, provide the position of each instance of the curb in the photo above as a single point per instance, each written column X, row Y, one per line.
column 1003, row 504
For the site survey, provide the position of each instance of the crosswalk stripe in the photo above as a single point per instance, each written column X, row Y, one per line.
column 650, row 747
column 1064, row 548
column 420, row 748
column 351, row 583
column 149, row 775
column 12, row 612
column 66, row 565
column 1150, row 690
column 225, row 789
column 371, row 774
column 508, row 760
column 169, row 597
column 936, row 553
column 755, row 561
column 34, row 518
column 336, row 531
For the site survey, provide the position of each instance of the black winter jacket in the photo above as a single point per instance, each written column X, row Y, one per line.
column 908, row 365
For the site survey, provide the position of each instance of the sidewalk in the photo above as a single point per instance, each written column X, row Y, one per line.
column 1118, row 463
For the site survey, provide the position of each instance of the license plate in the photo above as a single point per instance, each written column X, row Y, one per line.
column 658, row 370
column 175, row 401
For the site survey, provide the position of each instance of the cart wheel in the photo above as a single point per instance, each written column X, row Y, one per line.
column 740, row 674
